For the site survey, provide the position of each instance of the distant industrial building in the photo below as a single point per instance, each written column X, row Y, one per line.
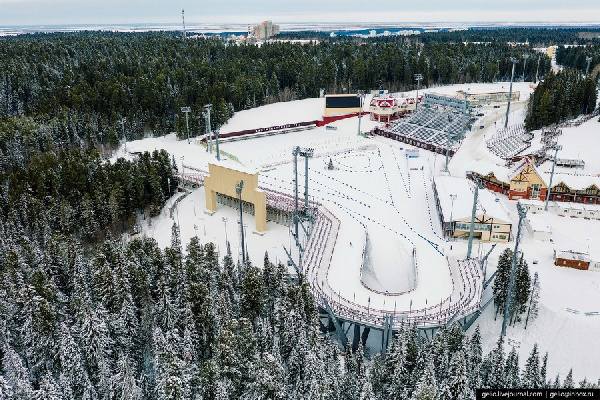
column 476, row 98
column 265, row 30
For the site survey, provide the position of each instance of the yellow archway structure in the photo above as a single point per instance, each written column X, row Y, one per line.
column 223, row 180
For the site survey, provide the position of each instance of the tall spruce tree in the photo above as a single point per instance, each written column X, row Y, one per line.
column 531, row 377
column 522, row 290
column 500, row 285
column 534, row 298
column 511, row 370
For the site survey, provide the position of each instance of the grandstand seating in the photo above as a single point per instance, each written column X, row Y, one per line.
column 427, row 128
column 508, row 142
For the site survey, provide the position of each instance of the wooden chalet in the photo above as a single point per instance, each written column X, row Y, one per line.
column 562, row 192
column 526, row 182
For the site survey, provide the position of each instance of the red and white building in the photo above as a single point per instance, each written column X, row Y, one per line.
column 385, row 108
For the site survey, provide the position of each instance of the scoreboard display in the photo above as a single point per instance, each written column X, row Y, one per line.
column 346, row 101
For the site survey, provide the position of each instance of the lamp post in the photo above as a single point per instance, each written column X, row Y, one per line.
column 556, row 149
column 186, row 110
column 448, row 141
column 122, row 122
column 587, row 70
column 452, row 198
column 182, row 171
column 361, row 94
column 224, row 219
column 525, row 57
column 207, row 109
column 512, row 76
column 238, row 189
column 217, row 142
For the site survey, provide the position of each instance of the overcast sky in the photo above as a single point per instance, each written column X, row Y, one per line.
column 52, row 12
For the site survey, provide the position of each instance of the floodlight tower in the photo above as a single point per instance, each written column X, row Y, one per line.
column 448, row 142
column 452, row 198
column 508, row 299
column 360, row 94
column 473, row 214
column 556, row 149
column 187, row 110
column 537, row 70
column 122, row 122
column 183, row 19
column 207, row 109
column 217, row 142
column 525, row 57
column 306, row 153
column 295, row 153
column 587, row 70
column 418, row 78
column 238, row 189
column 512, row 76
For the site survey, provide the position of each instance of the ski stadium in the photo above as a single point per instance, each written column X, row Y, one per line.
column 355, row 216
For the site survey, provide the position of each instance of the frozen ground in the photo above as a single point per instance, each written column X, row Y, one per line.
column 376, row 192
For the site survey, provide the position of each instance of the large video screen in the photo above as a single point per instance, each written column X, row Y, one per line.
column 350, row 101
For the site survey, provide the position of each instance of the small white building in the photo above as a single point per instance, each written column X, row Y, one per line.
column 591, row 211
column 538, row 228
column 576, row 210
column 563, row 209
column 532, row 206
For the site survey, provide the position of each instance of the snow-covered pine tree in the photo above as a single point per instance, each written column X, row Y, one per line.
column 125, row 385
column 266, row 380
column 556, row 384
column 252, row 294
column 168, row 366
column 485, row 372
column 568, row 382
column 350, row 386
column 16, row 374
column 396, row 371
column 377, row 374
column 73, row 375
column 459, row 380
column 48, row 389
column 310, row 384
column 511, row 370
column 189, row 355
column 36, row 304
column 426, row 388
column 531, row 373
column 333, row 369
column 502, row 277
column 475, row 357
column 534, row 298
column 440, row 355
column 496, row 378
column 522, row 290
column 5, row 389
column 543, row 378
